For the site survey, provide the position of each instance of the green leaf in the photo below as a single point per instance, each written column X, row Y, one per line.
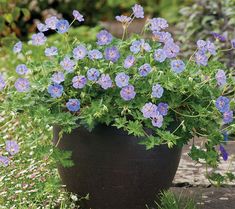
column 135, row 128
column 150, row 142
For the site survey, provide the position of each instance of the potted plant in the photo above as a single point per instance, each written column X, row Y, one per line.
column 124, row 107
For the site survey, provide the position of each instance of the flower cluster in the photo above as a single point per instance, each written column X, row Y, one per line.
column 12, row 148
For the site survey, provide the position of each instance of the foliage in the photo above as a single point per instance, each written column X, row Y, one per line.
column 201, row 17
column 169, row 200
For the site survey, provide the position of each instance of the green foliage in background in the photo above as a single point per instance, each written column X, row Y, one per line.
column 201, row 17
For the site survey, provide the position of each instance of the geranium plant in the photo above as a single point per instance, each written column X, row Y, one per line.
column 138, row 84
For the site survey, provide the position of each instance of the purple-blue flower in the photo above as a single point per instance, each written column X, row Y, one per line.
column 2, row 83
column 149, row 110
column 78, row 16
column 129, row 61
column 17, row 47
column 225, row 135
column 157, row 120
column 218, row 36
column 158, row 24
column 171, row 49
column 201, row 45
column 139, row 45
column 51, row 22
column 201, row 58
column 157, row 91
column 93, row 74
column 138, row 11
column 79, row 52
column 22, row 69
column 223, row 153
column 95, row 54
column 51, row 51
column 38, row 39
column 4, row 161
column 22, row 85
column 159, row 55
column 67, row 64
column 162, row 36
column 104, row 38
column 228, row 117
column 105, row 81
column 112, row 54
column 79, row 81
column 222, row 104
column 12, row 147
column 162, row 108
column 55, row 90
column 62, row 26
column 177, row 66
column 42, row 27
column 122, row 80
column 57, row 77
column 128, row 92
column 233, row 43
column 145, row 69
column 123, row 19
column 221, row 78
column 73, row 105
column 211, row 47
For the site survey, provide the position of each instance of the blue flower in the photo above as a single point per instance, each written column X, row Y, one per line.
column 78, row 16
column 128, row 92
column 138, row 11
column 223, row 153
column 222, row 104
column 218, row 36
column 139, row 45
column 105, row 81
column 145, row 69
column 79, row 81
column 104, row 38
column 22, row 85
column 171, row 49
column 67, row 64
column 42, row 27
column 157, row 91
column 157, row 24
column 51, row 22
column 122, row 80
column 51, row 51
column 221, row 78
column 12, row 147
column 112, row 54
column 225, row 135
column 73, row 105
column 55, row 90
column 17, row 47
column 201, row 45
column 233, row 43
column 38, row 39
column 149, row 110
column 162, row 108
column 79, row 52
column 62, row 26
column 95, row 54
column 4, row 161
column 162, row 36
column 129, row 61
column 177, row 66
column 22, row 69
column 93, row 74
column 159, row 55
column 57, row 77
column 211, row 47
column 201, row 58
column 157, row 120
column 2, row 83
column 228, row 117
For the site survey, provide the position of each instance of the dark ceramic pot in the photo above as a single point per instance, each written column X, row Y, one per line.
column 114, row 169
